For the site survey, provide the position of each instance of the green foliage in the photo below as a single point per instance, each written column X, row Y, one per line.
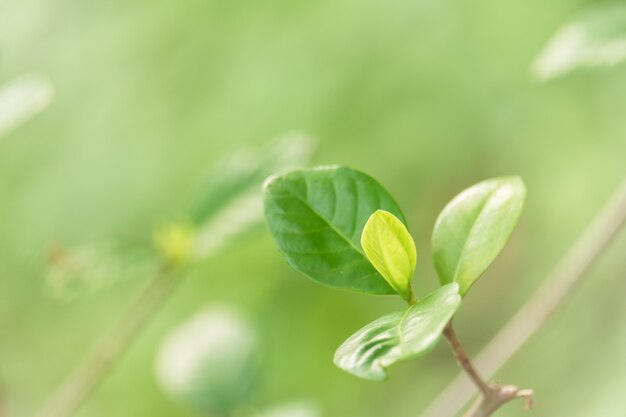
column 209, row 363
column 316, row 217
column 228, row 204
column 341, row 228
column 474, row 227
column 391, row 250
column 596, row 37
column 398, row 336
column 22, row 98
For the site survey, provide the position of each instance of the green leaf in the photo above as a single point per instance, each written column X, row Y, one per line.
column 316, row 217
column 22, row 98
column 390, row 248
column 474, row 227
column 210, row 362
column 595, row 37
column 228, row 206
column 398, row 336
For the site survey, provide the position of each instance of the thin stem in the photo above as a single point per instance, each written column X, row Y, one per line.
column 463, row 359
column 572, row 267
column 493, row 396
column 105, row 354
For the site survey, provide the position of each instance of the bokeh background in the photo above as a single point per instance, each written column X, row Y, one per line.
column 428, row 96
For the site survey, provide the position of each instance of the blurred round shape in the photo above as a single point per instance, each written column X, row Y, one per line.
column 208, row 363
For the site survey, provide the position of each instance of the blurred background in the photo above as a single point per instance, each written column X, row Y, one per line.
column 427, row 96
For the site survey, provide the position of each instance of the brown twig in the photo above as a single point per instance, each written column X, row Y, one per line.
column 493, row 396
column 581, row 256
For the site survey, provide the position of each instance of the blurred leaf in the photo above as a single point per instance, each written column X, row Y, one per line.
column 316, row 217
column 76, row 271
column 398, row 336
column 390, row 248
column 209, row 362
column 299, row 409
column 474, row 227
column 596, row 37
column 22, row 98
column 229, row 205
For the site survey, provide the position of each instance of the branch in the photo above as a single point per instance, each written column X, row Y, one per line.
column 541, row 306
column 463, row 359
column 88, row 376
column 493, row 396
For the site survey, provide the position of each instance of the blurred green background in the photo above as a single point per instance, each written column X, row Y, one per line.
column 427, row 96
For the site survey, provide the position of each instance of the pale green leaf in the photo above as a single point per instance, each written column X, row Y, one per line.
column 391, row 249
column 474, row 227
column 596, row 37
column 398, row 336
column 316, row 217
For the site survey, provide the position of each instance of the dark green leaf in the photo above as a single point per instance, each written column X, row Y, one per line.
column 474, row 227
column 398, row 336
column 316, row 217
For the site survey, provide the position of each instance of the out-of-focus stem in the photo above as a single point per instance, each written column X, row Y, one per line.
column 105, row 354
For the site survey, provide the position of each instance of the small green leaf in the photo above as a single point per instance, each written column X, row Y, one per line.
column 595, row 37
column 316, row 217
column 398, row 336
column 390, row 248
column 22, row 98
column 474, row 227
column 228, row 206
column 210, row 362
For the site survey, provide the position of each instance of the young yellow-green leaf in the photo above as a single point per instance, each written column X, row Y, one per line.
column 390, row 248
column 316, row 217
column 596, row 37
column 398, row 336
column 474, row 227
